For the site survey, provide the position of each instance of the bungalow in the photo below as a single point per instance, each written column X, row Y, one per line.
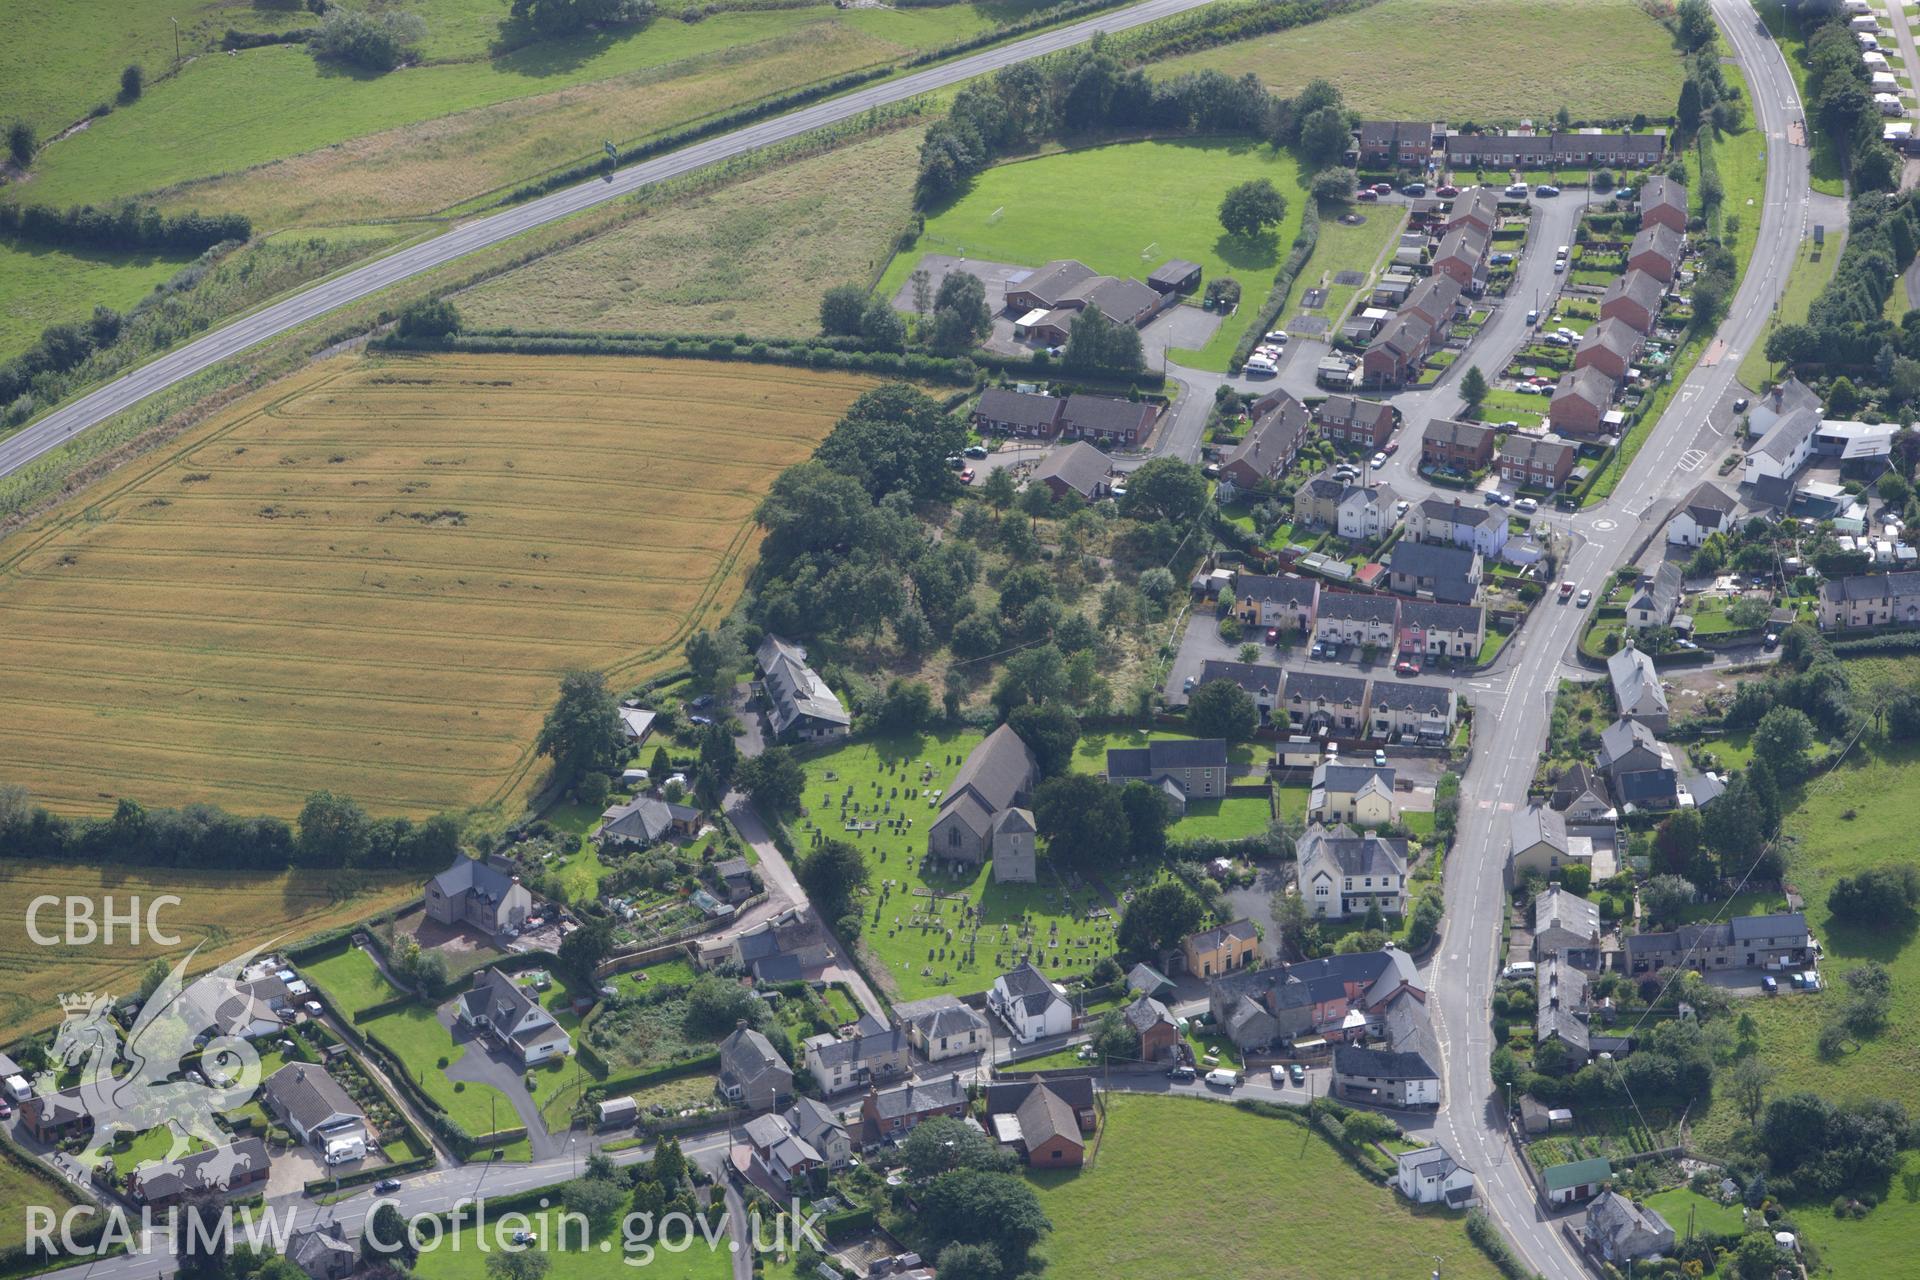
column 1617, row 1229
column 645, row 820
column 1537, row 841
column 1222, row 949
column 800, row 706
column 1319, row 703
column 1404, row 144
column 1337, row 997
column 1105, row 418
column 1663, row 203
column 873, row 1051
column 1269, row 447
column 161, row 1183
column 1657, row 250
column 1349, row 420
column 1435, row 572
column 1413, row 712
column 1063, row 289
column 1580, row 403
column 1567, row 925
column 501, row 1010
column 482, row 894
column 317, row 1111
column 1635, row 299
column 1608, row 347
column 1708, row 510
column 1870, row 600
column 1358, row 793
column 636, row 725
column 1455, row 445
column 1259, row 681
column 1442, row 629
column 889, row 1115
column 1451, row 522
column 1430, row 1176
column 1340, row 874
column 1346, row 617
column 1435, row 299
column 1397, row 353
column 1656, row 598
column 1043, row 1120
column 1032, row 1007
column 1185, row 768
column 1576, row 1181
column 1285, row 601
column 1385, row 1077
column 1003, row 411
column 1637, row 691
column 1639, row 767
column 943, row 1027
column 1175, row 276
column 1476, row 207
column 1077, row 468
column 1498, row 151
column 1156, row 1026
column 753, row 1075
column 1462, row 257
column 1543, row 461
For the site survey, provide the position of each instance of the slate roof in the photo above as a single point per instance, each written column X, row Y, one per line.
column 1275, row 435
column 1619, row 739
column 1351, row 411
column 1255, row 677
column 1078, row 465
column 1578, row 781
column 1464, row 243
column 1422, row 699
column 1145, row 1013
column 938, row 1016
column 1276, row 589
column 1748, row 928
column 645, row 819
column 747, row 1056
column 1044, row 1116
column 1386, row 1064
column 216, row 1168
column 1218, row 936
column 1008, row 1096
column 1441, row 615
column 1332, row 775
column 918, row 1097
column 1352, row 855
column 1028, row 989
column 1435, row 298
column 1661, row 593
column 1537, row 824
column 1544, row 451
column 1352, row 606
column 1871, row 586
column 1320, row 686
column 1636, row 684
column 1638, row 286
column 1452, row 431
column 1292, row 986
column 1455, row 512
column 305, row 1093
column 1560, row 908
column 1057, row 281
column 1483, row 202
column 1616, row 335
column 322, row 1251
column 1448, row 566
column 1659, row 192
column 1020, row 408
column 1173, row 271
column 1588, row 384
column 1709, row 504
column 1105, row 414
column 1658, row 238
column 1403, row 335
column 1164, row 754
column 993, row 775
column 474, row 876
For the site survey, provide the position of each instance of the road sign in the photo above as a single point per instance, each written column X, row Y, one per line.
column 612, row 152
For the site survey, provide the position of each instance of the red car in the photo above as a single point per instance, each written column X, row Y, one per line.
column 1273, row 635
column 1366, row 193
column 1382, row 189
column 1391, row 446
column 1447, row 192
column 966, row 477
column 1406, row 667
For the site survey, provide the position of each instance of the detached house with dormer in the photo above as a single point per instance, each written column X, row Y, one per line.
column 509, row 1015
column 480, row 895
column 1340, row 874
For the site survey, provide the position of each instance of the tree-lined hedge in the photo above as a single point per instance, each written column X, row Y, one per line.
column 123, row 228
column 1303, row 246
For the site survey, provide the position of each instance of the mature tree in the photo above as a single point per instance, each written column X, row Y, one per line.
column 518, row 1264
column 906, row 707
column 1081, row 818
column 1100, row 344
column 1115, row 1038
column 1250, row 208
column 598, row 1200
column 430, row 319
column 833, row 873
column 1293, row 925
column 882, row 328
column 1665, row 896
column 334, row 831
column 1732, row 824
column 1157, row 918
column 895, row 436
column 1693, row 23
column 840, row 310
column 961, row 316
column 943, row 1144
column 374, row 41
column 1333, row 185
column 716, row 1005
column 1878, row 897
column 22, row 142
column 1165, row 489
column 998, row 488
column 1222, row 709
column 968, row 1262
column 1050, row 731
column 1781, row 739
column 586, row 947
column 1032, row 675
column 1677, row 843
column 972, row 1206
column 1473, row 389
column 564, row 17
column 774, row 779
column 389, row 1229
column 1749, row 1081
column 719, row 758
column 582, row 731
column 157, row 972
column 1324, row 136
column 1148, row 815
column 715, row 658
column 1687, row 115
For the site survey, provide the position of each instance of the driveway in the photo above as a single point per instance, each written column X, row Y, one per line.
column 484, row 1064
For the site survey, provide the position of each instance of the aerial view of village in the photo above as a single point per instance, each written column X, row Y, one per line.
column 959, row 639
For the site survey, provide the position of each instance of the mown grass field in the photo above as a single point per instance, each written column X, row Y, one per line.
column 1872, row 786
column 44, row 286
column 1400, row 59
column 1157, row 200
column 20, row 1187
column 920, row 943
column 369, row 577
column 1812, row 268
column 1159, row 1201
column 352, row 980
column 416, row 1036
column 292, row 140
column 751, row 257
column 222, row 912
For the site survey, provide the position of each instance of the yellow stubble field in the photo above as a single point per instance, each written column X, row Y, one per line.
column 369, row 577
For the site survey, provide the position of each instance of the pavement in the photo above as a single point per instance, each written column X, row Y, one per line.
column 29, row 443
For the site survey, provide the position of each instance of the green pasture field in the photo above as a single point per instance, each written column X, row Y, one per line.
column 44, row 286
column 1158, row 200
column 751, row 257
column 1401, row 59
column 1813, row 267
column 1291, row 1208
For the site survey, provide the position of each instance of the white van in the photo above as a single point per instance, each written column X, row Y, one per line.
column 18, row 1089
column 1519, row 969
column 1221, row 1078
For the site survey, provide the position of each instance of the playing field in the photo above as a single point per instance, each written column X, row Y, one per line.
column 369, row 577
column 1157, row 1201
column 223, row 912
column 1157, row 200
column 751, row 257
column 1400, row 59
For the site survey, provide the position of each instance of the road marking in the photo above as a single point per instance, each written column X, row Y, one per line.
column 1691, row 460
column 1604, row 526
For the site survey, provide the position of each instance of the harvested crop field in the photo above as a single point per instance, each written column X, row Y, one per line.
column 369, row 577
column 751, row 257
column 222, row 912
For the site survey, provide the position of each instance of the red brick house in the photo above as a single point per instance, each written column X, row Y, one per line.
column 1663, row 202
column 1462, row 256
column 1610, row 347
column 1545, row 461
column 1271, row 444
column 1477, row 207
column 1364, row 424
column 891, row 1114
column 1462, row 446
column 1043, row 1121
column 1634, row 298
column 1580, row 402
column 1657, row 250
column 1004, row 411
column 1396, row 355
column 1391, row 143
column 1105, row 418
column 1436, row 299
column 1154, row 1023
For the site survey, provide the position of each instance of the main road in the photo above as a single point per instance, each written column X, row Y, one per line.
column 1512, row 714
column 309, row 304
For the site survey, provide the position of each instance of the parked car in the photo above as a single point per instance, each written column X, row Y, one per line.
column 1279, row 1074
column 1273, row 635
column 1406, row 667
column 1401, row 506
column 1392, row 447
column 966, row 477
column 1377, row 461
column 1740, row 405
column 1183, row 1073
column 1497, row 498
column 1500, row 259
column 1533, row 317
column 1186, row 686
column 1278, row 335
column 1772, row 641
column 1415, row 189
column 386, row 1186
column 1559, row 265
column 1379, row 758
column 1526, row 506
column 1519, row 969
column 1769, row 984
column 1447, row 191
column 1382, row 189
column 956, row 462
column 1518, row 190
column 976, row 451
column 1298, row 1073
column 1366, row 193
column 1556, row 340
column 1546, row 189
column 1319, row 650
